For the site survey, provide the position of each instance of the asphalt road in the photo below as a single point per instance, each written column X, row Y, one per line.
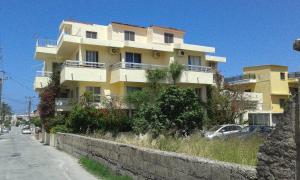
column 23, row 158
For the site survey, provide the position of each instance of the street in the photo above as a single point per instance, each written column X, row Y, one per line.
column 24, row 158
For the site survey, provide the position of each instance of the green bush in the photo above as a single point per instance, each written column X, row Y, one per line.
column 114, row 120
column 176, row 111
column 84, row 119
column 36, row 121
column 60, row 128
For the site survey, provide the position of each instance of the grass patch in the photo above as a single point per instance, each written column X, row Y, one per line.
column 100, row 170
column 241, row 151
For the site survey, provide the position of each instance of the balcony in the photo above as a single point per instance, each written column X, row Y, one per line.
column 83, row 71
column 136, row 72
column 131, row 72
column 196, row 75
column 42, row 79
column 242, row 79
column 45, row 48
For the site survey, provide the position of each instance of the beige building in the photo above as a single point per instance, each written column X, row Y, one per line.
column 276, row 86
column 111, row 60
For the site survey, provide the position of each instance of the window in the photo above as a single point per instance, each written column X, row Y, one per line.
column 90, row 34
column 91, row 56
column 130, row 89
column 235, row 128
column 193, row 62
column 282, row 76
column 169, row 38
column 95, row 93
column 281, row 103
column 131, row 58
column 248, row 90
column 129, row 35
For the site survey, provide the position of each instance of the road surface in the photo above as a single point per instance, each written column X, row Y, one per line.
column 23, row 158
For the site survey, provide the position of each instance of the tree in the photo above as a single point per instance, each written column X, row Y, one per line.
column 175, row 70
column 154, row 78
column 46, row 105
column 226, row 104
column 5, row 111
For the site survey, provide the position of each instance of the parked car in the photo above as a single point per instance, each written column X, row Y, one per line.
column 26, row 131
column 253, row 130
column 222, row 131
column 5, row 130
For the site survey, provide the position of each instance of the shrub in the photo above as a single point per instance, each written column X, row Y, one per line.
column 60, row 128
column 84, row 119
column 114, row 120
column 36, row 121
column 176, row 111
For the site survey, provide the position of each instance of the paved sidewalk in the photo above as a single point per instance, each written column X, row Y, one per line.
column 23, row 158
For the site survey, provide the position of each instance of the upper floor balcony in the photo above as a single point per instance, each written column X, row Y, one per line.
column 45, row 48
column 74, row 70
column 137, row 72
column 241, row 79
column 41, row 80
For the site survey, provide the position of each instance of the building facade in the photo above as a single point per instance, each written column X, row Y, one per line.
column 111, row 60
column 276, row 86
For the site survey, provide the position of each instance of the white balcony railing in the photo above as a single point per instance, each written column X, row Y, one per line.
column 43, row 74
column 46, row 43
column 128, row 65
column 76, row 63
column 197, row 68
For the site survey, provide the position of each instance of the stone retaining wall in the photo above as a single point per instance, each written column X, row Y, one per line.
column 143, row 163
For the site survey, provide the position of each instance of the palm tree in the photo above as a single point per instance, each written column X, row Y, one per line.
column 175, row 70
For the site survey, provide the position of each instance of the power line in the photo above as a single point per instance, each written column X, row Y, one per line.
column 20, row 84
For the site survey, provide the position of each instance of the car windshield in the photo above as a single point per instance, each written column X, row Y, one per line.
column 215, row 128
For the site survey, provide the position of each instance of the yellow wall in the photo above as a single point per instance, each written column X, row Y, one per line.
column 269, row 83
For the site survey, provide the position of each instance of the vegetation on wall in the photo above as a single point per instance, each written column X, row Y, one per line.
column 46, row 105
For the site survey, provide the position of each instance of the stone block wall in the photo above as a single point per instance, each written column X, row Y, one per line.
column 144, row 163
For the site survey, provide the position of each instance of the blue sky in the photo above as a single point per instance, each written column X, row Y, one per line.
column 246, row 32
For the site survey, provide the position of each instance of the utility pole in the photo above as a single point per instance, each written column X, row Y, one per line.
column 296, row 46
column 29, row 98
column 2, row 78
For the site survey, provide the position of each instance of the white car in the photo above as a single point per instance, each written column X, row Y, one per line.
column 26, row 131
column 222, row 130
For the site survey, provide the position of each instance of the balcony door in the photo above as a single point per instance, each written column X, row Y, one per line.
column 132, row 59
column 91, row 58
column 193, row 62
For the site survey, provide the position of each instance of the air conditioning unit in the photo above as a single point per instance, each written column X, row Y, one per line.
column 180, row 52
column 156, row 54
column 114, row 51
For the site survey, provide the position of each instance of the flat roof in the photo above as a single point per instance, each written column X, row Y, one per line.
column 125, row 24
column 265, row 66
column 164, row 27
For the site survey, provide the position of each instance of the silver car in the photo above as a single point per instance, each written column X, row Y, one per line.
column 222, row 130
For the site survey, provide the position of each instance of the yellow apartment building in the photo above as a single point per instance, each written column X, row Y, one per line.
column 111, row 60
column 276, row 86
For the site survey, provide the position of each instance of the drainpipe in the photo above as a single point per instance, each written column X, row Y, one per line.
column 296, row 46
